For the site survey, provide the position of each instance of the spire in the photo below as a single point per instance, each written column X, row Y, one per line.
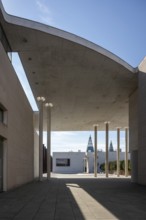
column 90, row 147
column 111, row 149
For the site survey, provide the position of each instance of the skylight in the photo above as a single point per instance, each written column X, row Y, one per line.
column 16, row 62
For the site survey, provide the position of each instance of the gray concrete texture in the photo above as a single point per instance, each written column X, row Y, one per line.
column 86, row 83
column 68, row 197
column 17, row 130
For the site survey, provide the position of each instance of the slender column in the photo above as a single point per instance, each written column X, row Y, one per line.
column 106, row 141
column 41, row 100
column 87, row 165
column 126, row 152
column 49, row 106
column 95, row 153
column 118, row 152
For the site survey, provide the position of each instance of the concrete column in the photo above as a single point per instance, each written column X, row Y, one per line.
column 133, row 135
column 84, row 165
column 95, row 153
column 126, row 152
column 106, row 147
column 137, row 126
column 41, row 100
column 87, row 164
column 49, row 106
column 134, row 166
column 118, row 152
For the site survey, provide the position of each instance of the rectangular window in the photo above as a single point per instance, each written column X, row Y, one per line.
column 1, row 115
column 62, row 162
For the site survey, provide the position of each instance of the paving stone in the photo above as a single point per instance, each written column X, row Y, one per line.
column 74, row 197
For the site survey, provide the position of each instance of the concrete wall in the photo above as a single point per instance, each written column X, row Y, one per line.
column 133, row 134
column 142, row 125
column 133, row 121
column 18, row 131
column 137, row 127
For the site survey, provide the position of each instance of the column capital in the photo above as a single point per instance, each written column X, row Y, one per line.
column 95, row 125
column 40, row 99
column 50, row 105
column 107, row 122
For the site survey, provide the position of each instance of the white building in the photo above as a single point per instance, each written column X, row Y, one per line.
column 78, row 162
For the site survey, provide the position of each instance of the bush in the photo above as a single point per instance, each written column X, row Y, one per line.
column 102, row 167
column 113, row 166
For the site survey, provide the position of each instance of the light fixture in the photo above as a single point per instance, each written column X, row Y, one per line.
column 25, row 40
column 41, row 98
column 49, row 105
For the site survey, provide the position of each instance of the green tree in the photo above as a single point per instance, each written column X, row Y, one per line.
column 102, row 166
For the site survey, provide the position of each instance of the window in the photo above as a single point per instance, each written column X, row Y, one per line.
column 3, row 114
column 63, row 162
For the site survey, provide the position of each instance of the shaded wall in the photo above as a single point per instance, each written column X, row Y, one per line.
column 18, row 130
column 137, row 127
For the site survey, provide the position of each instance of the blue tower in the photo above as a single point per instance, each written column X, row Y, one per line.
column 90, row 147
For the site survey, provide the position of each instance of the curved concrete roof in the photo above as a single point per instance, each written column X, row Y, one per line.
column 86, row 83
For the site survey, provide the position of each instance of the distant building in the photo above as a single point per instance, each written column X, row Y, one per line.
column 111, row 149
column 82, row 162
column 90, row 147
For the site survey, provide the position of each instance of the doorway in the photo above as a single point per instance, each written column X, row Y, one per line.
column 1, row 164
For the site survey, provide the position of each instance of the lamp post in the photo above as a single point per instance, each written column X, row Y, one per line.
column 48, row 106
column 40, row 100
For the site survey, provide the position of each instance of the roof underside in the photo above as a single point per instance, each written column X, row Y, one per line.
column 86, row 84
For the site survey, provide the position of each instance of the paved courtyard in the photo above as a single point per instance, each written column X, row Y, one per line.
column 75, row 197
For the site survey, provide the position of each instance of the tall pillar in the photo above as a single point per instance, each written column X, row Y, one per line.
column 137, row 126
column 106, row 147
column 95, row 152
column 49, row 106
column 133, row 134
column 118, row 152
column 87, row 164
column 126, row 152
column 41, row 100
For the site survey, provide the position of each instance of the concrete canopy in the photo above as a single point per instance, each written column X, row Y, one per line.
column 86, row 83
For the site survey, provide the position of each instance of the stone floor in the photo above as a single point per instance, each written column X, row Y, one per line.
column 68, row 197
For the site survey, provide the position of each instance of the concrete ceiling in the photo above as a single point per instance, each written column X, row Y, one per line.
column 86, row 84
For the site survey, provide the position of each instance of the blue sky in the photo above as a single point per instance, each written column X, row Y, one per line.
column 117, row 25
